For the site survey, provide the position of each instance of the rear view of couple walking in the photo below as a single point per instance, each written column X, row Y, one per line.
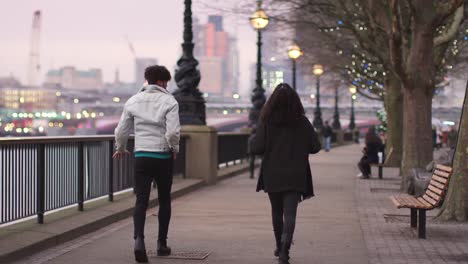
column 284, row 138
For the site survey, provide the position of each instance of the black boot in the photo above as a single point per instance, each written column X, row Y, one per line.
column 163, row 249
column 278, row 243
column 284, row 253
column 140, row 250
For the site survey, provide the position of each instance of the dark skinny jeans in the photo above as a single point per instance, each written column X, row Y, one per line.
column 147, row 170
column 283, row 213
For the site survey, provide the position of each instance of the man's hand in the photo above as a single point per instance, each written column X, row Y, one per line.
column 120, row 154
column 174, row 155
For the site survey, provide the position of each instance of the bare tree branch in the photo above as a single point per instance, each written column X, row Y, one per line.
column 453, row 28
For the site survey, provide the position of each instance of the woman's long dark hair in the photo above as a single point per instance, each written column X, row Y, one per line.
column 284, row 106
column 371, row 136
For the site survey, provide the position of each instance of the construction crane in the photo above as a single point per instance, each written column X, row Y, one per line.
column 130, row 46
column 34, row 64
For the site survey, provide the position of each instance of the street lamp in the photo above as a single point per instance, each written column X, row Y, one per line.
column 294, row 52
column 336, row 116
column 187, row 76
column 259, row 20
column 352, row 90
column 318, row 123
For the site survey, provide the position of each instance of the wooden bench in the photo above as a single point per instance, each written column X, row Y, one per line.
column 431, row 199
column 384, row 164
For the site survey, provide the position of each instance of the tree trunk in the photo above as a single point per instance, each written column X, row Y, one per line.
column 455, row 206
column 417, row 134
column 418, row 85
column 394, row 108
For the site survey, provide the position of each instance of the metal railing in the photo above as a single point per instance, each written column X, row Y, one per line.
column 232, row 148
column 40, row 174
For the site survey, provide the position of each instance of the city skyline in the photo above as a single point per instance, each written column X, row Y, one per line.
column 99, row 41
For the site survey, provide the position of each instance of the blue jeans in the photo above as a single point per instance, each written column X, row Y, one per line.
column 327, row 143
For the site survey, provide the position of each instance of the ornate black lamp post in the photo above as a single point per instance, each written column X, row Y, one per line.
column 336, row 115
column 294, row 52
column 259, row 21
column 318, row 123
column 352, row 90
column 187, row 77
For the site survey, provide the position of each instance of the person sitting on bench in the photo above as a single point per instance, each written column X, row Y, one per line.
column 373, row 147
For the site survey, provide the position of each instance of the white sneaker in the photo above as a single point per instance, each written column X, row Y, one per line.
column 359, row 175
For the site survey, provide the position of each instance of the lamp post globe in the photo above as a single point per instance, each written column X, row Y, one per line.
column 318, row 122
column 317, row 70
column 294, row 52
column 259, row 20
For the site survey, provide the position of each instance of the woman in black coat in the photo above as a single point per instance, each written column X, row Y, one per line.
column 374, row 145
column 285, row 138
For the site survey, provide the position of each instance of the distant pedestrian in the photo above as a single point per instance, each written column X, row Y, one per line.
column 370, row 153
column 153, row 113
column 327, row 136
column 285, row 138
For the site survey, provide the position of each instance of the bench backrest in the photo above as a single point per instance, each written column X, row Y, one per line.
column 437, row 188
column 388, row 155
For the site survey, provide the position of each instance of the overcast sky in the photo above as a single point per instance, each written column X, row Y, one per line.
column 91, row 34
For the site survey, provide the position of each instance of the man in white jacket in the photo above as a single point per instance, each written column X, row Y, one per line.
column 153, row 113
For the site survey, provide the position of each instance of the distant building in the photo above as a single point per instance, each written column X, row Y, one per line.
column 212, row 75
column 276, row 66
column 70, row 78
column 9, row 82
column 28, row 99
column 218, row 56
column 140, row 65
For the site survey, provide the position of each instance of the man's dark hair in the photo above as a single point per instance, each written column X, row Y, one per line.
column 284, row 106
column 157, row 73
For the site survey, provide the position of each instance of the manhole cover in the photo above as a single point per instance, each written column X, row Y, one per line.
column 384, row 190
column 392, row 218
column 186, row 254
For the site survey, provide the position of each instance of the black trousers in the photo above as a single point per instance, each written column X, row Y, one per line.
column 147, row 170
column 364, row 165
column 283, row 213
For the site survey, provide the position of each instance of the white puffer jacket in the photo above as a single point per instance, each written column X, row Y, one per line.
column 154, row 114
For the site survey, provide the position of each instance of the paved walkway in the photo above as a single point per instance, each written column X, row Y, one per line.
column 349, row 221
column 388, row 234
column 233, row 222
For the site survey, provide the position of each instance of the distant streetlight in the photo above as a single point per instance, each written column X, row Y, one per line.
column 235, row 96
column 116, row 99
column 294, row 52
column 259, row 20
column 336, row 115
column 352, row 90
column 318, row 123
column 76, row 100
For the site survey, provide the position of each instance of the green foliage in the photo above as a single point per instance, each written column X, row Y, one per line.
column 382, row 116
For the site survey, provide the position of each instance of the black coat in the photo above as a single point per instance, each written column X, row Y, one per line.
column 373, row 147
column 285, row 150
